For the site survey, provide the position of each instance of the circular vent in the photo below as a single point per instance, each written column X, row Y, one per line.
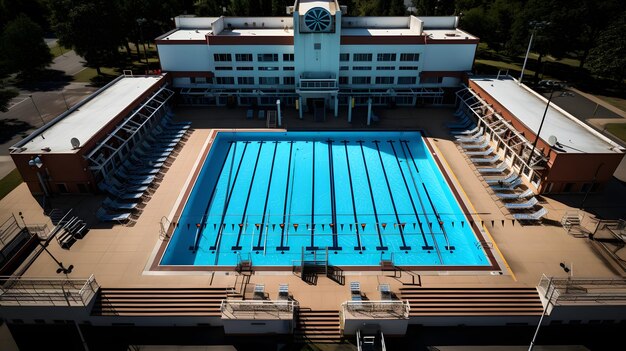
column 317, row 19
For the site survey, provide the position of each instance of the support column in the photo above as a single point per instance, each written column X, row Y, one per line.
column 280, row 120
column 414, row 100
column 350, row 104
column 369, row 111
column 301, row 107
column 336, row 105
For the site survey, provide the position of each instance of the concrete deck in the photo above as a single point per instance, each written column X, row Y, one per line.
column 118, row 255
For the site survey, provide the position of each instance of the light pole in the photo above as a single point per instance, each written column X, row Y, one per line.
column 553, row 85
column 39, row 113
column 536, row 25
column 141, row 21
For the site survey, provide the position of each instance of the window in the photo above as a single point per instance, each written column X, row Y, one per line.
column 265, row 68
column 386, row 57
column 432, row 80
column 288, row 57
column 362, row 57
column 243, row 57
column 62, row 187
column 317, row 46
column 268, row 80
column 408, row 68
column 344, row 68
column 244, row 68
column 289, row 80
column 245, row 80
column 83, row 188
column 223, row 68
column 361, row 68
column 288, row 68
column 409, row 57
column 344, row 57
column 198, row 80
column 384, row 80
column 225, row 80
column 406, row 80
column 361, row 80
column 343, row 80
column 385, row 68
column 267, row 57
column 222, row 57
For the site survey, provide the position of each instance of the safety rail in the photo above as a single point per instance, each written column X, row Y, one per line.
column 262, row 309
column 570, row 290
column 22, row 291
column 376, row 309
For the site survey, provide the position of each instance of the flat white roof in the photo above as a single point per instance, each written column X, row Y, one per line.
column 277, row 32
column 87, row 119
column 377, row 31
column 528, row 108
column 188, row 34
column 452, row 33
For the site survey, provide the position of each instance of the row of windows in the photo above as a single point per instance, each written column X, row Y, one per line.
column 291, row 80
column 378, row 68
column 379, row 80
column 248, row 57
column 382, row 57
column 247, row 68
column 251, row 80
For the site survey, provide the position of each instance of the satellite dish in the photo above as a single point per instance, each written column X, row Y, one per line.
column 552, row 141
column 75, row 143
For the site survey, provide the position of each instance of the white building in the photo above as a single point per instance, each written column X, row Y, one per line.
column 317, row 57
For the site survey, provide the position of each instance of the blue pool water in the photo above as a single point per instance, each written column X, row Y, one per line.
column 357, row 197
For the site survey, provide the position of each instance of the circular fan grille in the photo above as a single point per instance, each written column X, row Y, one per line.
column 317, row 19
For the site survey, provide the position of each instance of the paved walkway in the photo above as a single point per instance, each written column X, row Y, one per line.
column 23, row 117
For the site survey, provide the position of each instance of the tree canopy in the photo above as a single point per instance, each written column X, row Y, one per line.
column 92, row 27
column 608, row 58
column 22, row 48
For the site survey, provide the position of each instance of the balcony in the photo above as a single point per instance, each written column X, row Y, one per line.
column 318, row 84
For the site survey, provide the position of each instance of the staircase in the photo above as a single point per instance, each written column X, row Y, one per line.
column 572, row 223
column 155, row 302
column 466, row 302
column 318, row 327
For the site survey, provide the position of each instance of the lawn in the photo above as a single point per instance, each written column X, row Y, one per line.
column 10, row 182
column 617, row 129
column 615, row 101
column 58, row 50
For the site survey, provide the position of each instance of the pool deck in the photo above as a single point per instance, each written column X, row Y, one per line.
column 119, row 256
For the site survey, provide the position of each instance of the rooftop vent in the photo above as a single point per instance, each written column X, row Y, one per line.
column 452, row 35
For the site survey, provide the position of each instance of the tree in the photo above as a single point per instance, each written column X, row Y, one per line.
column 92, row 27
column 209, row 8
column 5, row 96
column 608, row 58
column 23, row 48
column 397, row 8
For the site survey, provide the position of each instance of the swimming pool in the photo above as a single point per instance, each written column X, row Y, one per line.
column 351, row 198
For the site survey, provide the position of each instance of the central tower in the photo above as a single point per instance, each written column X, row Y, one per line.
column 317, row 37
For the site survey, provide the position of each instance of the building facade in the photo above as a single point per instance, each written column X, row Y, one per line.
column 82, row 146
column 316, row 58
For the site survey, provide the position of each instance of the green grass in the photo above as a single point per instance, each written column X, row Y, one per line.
column 617, row 129
column 10, row 182
column 615, row 101
column 58, row 50
column 88, row 74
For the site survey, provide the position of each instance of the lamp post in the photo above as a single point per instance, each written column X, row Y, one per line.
column 280, row 121
column 553, row 85
column 141, row 21
column 62, row 268
column 37, row 109
column 536, row 25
